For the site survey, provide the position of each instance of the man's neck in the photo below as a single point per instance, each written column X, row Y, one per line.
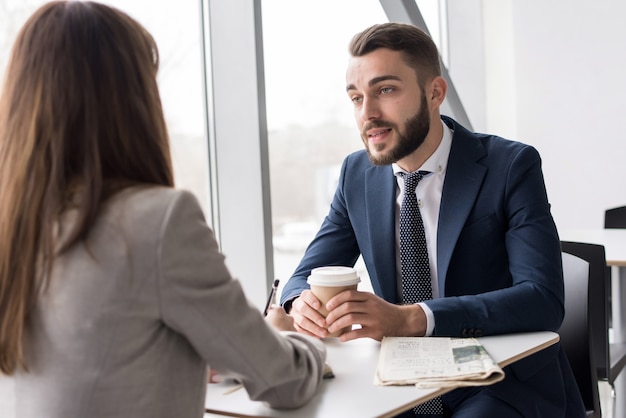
column 418, row 157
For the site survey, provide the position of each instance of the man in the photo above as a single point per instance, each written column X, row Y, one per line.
column 492, row 247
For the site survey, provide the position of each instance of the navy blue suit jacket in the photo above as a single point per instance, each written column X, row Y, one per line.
column 498, row 256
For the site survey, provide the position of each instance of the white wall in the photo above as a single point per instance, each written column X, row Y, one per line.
column 553, row 75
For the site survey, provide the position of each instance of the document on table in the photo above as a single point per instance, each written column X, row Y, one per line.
column 430, row 362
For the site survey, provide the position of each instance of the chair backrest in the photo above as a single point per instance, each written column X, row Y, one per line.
column 615, row 217
column 575, row 331
column 599, row 296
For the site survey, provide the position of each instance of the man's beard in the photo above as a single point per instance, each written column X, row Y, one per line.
column 416, row 129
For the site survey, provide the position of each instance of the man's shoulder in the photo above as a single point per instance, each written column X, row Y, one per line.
column 358, row 157
column 487, row 140
column 360, row 161
column 487, row 146
column 502, row 148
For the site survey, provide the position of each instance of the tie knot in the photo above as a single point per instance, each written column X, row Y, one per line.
column 411, row 179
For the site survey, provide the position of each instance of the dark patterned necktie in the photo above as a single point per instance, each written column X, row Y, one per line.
column 414, row 264
column 415, row 267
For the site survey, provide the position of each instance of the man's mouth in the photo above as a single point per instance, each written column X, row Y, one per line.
column 377, row 134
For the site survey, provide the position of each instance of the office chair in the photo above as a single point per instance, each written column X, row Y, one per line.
column 576, row 329
column 610, row 358
column 615, row 217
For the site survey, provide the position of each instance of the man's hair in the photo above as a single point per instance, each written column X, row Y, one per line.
column 418, row 49
column 80, row 114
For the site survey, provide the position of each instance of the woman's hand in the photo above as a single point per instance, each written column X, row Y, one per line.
column 278, row 318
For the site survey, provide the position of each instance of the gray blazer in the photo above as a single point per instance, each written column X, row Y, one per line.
column 132, row 318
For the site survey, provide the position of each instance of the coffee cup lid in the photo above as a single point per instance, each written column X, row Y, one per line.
column 333, row 276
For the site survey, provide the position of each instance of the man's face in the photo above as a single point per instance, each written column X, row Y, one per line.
column 390, row 109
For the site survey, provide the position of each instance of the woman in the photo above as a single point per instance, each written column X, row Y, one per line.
column 114, row 297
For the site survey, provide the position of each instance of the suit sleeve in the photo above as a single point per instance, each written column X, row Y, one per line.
column 334, row 245
column 201, row 301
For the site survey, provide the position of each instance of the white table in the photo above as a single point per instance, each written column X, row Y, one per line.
column 352, row 392
column 614, row 242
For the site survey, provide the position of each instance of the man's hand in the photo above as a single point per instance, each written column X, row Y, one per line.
column 377, row 317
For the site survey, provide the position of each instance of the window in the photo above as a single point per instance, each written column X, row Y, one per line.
column 177, row 33
column 301, row 89
column 310, row 122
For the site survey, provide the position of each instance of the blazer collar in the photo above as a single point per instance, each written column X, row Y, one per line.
column 380, row 196
column 464, row 178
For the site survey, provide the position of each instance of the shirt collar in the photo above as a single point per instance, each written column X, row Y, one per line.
column 438, row 161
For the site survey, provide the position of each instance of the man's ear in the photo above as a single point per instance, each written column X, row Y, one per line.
column 439, row 88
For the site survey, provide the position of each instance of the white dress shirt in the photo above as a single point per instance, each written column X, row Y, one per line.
column 428, row 194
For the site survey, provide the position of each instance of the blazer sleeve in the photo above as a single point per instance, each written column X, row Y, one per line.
column 335, row 244
column 201, row 301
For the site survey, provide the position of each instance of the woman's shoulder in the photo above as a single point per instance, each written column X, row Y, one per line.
column 149, row 204
column 151, row 196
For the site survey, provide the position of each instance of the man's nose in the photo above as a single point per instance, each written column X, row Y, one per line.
column 369, row 110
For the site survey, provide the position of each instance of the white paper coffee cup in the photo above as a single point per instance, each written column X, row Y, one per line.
column 326, row 282
column 334, row 276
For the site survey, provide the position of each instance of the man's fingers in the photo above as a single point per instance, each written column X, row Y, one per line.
column 306, row 318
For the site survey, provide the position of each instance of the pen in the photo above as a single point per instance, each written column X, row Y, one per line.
column 270, row 298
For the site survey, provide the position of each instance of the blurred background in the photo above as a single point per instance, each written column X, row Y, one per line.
column 548, row 73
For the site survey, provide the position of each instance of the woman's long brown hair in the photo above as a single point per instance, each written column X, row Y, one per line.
column 80, row 111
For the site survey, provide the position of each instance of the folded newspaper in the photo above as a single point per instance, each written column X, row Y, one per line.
column 430, row 362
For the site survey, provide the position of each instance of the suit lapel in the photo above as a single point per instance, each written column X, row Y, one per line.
column 464, row 176
column 380, row 196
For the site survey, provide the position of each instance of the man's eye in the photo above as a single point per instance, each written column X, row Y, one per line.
column 386, row 90
column 356, row 100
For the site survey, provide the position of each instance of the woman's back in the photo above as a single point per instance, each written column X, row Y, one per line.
column 130, row 317
column 114, row 296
